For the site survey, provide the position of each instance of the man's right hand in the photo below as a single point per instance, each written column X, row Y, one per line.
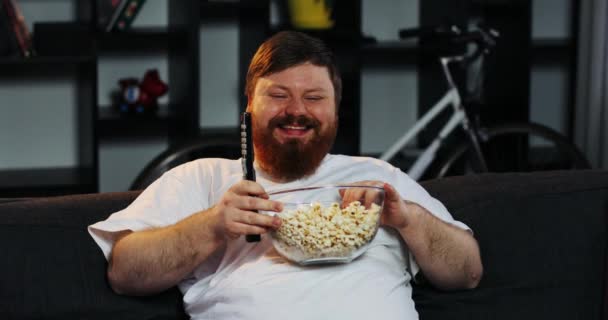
column 235, row 214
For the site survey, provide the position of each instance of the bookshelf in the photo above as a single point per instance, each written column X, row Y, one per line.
column 97, row 121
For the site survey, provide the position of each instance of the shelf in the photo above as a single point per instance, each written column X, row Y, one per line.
column 112, row 123
column 389, row 53
column 139, row 39
column 46, row 182
column 231, row 133
column 552, row 51
column 218, row 9
column 40, row 65
column 45, row 60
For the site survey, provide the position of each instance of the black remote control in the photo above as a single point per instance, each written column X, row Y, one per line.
column 247, row 159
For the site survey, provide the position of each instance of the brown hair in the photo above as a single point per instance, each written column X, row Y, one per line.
column 287, row 49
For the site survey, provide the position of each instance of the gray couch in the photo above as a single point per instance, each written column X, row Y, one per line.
column 542, row 237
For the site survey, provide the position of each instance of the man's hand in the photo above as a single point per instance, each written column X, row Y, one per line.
column 235, row 214
column 394, row 210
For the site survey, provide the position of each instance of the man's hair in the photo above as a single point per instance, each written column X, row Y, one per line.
column 287, row 49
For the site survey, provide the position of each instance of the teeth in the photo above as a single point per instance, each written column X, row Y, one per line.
column 294, row 128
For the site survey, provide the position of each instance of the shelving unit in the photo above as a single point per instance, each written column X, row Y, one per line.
column 178, row 119
column 95, row 122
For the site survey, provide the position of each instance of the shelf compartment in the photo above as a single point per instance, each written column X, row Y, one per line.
column 40, row 182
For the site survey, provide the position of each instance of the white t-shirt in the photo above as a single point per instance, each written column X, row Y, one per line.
column 250, row 280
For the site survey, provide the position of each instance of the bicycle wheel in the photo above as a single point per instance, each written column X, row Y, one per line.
column 209, row 147
column 517, row 147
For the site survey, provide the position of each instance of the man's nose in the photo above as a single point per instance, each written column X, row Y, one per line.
column 296, row 107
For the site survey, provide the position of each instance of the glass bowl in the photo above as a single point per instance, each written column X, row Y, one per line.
column 327, row 224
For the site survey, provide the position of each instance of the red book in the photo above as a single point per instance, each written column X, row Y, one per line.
column 125, row 15
column 9, row 45
column 24, row 37
column 105, row 10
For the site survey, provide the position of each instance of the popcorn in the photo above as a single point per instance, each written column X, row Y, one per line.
column 317, row 231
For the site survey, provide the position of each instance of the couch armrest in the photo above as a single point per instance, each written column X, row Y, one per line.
column 51, row 267
column 542, row 238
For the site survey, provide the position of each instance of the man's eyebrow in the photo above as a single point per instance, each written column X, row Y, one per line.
column 283, row 87
column 278, row 86
column 316, row 89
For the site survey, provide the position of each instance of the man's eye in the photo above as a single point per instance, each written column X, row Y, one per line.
column 314, row 98
column 278, row 95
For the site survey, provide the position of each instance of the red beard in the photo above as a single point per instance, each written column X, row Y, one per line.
column 292, row 159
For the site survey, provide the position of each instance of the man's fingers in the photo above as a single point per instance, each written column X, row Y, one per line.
column 370, row 197
column 243, row 228
column 246, row 187
column 390, row 193
column 257, row 219
column 255, row 204
column 353, row 194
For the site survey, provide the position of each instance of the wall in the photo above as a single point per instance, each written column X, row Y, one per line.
column 549, row 83
column 37, row 117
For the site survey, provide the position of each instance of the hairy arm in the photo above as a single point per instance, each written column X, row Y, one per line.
column 448, row 256
column 150, row 261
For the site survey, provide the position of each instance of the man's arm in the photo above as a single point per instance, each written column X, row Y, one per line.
column 151, row 261
column 448, row 256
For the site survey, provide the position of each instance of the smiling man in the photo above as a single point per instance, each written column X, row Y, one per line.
column 294, row 120
column 187, row 228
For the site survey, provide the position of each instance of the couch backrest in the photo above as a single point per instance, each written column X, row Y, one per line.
column 542, row 238
column 51, row 268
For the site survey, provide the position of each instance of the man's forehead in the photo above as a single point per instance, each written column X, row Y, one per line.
column 306, row 74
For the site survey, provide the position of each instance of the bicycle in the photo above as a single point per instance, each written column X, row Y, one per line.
column 483, row 148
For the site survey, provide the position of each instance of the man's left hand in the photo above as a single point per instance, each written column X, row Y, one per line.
column 394, row 213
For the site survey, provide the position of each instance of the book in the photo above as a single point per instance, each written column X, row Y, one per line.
column 20, row 29
column 124, row 15
column 8, row 39
column 105, row 10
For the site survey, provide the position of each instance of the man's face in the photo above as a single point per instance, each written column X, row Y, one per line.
column 294, row 120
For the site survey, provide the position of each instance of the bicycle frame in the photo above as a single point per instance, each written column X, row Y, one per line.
column 451, row 97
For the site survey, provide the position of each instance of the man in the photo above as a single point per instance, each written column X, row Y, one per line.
column 187, row 228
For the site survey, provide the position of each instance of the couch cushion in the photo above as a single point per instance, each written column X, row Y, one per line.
column 51, row 268
column 542, row 238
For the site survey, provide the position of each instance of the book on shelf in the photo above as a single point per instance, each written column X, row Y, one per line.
column 124, row 14
column 18, row 27
column 9, row 45
column 105, row 11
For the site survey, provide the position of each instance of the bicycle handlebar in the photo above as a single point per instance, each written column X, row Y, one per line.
column 483, row 38
column 424, row 32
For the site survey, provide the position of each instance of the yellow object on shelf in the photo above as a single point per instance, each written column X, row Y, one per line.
column 310, row 14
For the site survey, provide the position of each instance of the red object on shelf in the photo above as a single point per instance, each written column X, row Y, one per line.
column 141, row 97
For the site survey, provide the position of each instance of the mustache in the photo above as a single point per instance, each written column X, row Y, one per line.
column 293, row 120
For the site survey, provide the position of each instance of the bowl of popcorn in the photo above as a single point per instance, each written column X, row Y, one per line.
column 327, row 224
